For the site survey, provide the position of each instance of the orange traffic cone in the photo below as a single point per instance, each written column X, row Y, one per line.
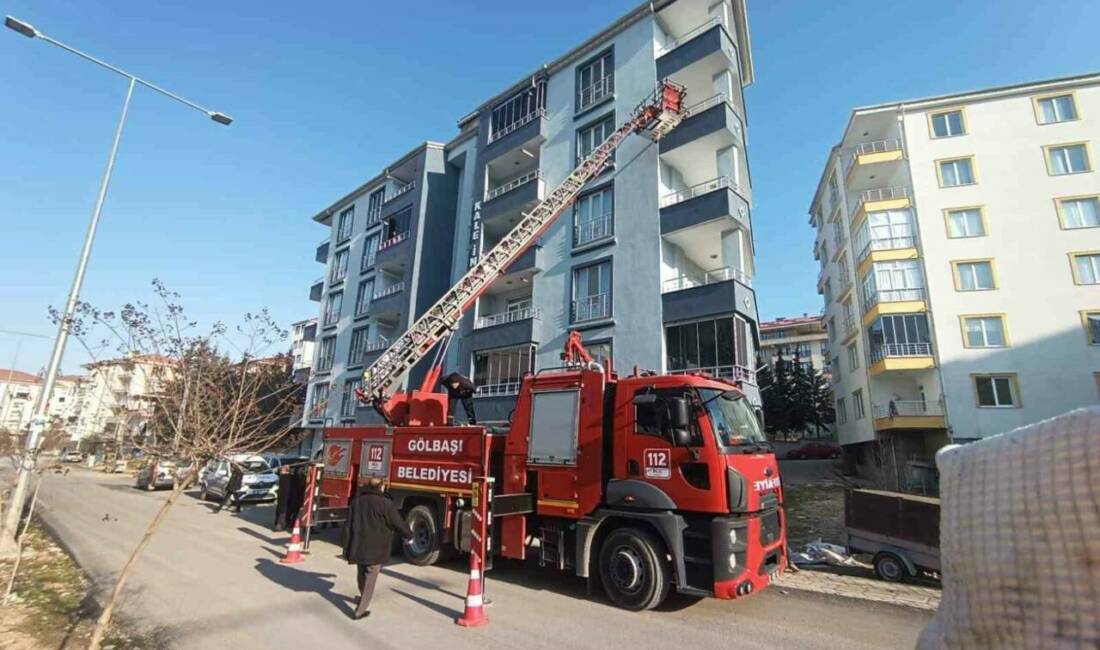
column 474, row 615
column 294, row 548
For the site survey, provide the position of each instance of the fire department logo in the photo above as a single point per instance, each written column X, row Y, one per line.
column 335, row 455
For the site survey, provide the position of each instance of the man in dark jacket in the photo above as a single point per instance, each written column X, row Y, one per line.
column 236, row 479
column 461, row 388
column 368, row 537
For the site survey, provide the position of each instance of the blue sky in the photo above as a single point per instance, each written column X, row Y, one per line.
column 325, row 97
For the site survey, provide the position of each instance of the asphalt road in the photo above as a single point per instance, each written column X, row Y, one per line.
column 211, row 580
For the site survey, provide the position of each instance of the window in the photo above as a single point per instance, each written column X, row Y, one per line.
column 346, row 223
column 1057, row 108
column 965, row 222
column 1091, row 321
column 1086, row 268
column 1079, row 212
column 327, row 355
column 984, row 331
column 894, row 281
column 841, row 411
column 370, row 249
column 853, row 357
column 899, row 335
column 975, row 275
column 832, row 328
column 948, row 123
column 517, row 110
column 595, row 80
column 332, row 308
column 710, row 345
column 593, row 216
column 857, row 404
column 339, row 266
column 956, row 172
column 499, row 372
column 601, row 351
column 363, row 297
column 592, row 292
column 348, row 401
column 885, row 230
column 358, row 346
column 843, row 270
column 834, row 191
column 996, row 391
column 318, row 401
column 1067, row 159
column 593, row 136
column 374, row 204
column 397, row 225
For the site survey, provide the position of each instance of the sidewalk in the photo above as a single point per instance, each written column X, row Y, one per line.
column 832, row 582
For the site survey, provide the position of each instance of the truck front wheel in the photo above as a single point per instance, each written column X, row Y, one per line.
column 633, row 569
column 424, row 547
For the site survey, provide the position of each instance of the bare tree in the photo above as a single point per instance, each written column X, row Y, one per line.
column 210, row 393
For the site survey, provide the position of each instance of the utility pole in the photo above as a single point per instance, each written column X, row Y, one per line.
column 38, row 421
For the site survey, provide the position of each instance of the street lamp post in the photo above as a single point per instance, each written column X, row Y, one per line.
column 38, row 419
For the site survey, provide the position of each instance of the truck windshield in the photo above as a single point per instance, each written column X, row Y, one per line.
column 733, row 421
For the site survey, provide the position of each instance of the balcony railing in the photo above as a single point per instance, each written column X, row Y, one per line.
column 737, row 373
column 892, row 295
column 880, row 194
column 706, row 104
column 723, row 274
column 875, row 146
column 381, row 343
column 907, row 408
column 680, row 40
column 672, row 198
column 851, row 326
column 499, row 388
column 403, row 189
column 886, row 244
column 899, row 350
column 592, row 307
column 598, row 90
column 594, row 229
column 513, row 184
column 393, row 241
column 512, row 316
column 389, row 291
column 518, row 124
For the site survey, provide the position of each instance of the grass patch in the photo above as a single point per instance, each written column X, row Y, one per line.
column 814, row 512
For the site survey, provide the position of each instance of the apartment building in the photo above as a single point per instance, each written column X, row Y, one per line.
column 117, row 396
column 802, row 337
column 19, row 392
column 959, row 241
column 303, row 336
column 653, row 263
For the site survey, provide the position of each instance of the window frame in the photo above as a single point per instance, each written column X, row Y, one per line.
column 348, row 212
column 610, row 290
column 992, row 272
column 363, row 300
column 1047, row 148
column 1014, row 389
column 973, row 170
column 841, row 411
column 961, row 110
column 375, row 237
column 339, row 272
column 1004, row 331
column 312, row 413
column 606, row 190
column 858, row 407
column 1084, row 313
column 853, row 356
column 1059, row 208
column 599, row 57
column 321, row 356
column 1073, row 255
column 947, row 212
column 609, row 118
column 1038, row 109
column 347, row 397
column 359, row 335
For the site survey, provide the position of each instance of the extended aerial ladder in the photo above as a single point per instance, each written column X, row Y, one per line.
column 655, row 116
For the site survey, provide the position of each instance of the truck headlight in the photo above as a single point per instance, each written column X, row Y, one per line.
column 733, row 536
column 733, row 561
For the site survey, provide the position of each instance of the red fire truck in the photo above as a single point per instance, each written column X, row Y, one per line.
column 641, row 482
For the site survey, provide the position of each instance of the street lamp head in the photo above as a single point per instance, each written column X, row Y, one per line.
column 26, row 29
column 221, row 118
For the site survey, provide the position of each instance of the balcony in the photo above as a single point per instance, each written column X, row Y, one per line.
column 594, row 230
column 893, row 301
column 740, row 374
column 507, row 317
column 714, row 120
column 393, row 241
column 391, row 290
column 908, row 415
column 377, row 345
column 526, row 133
column 388, row 303
column 500, row 389
column 322, row 251
column 875, row 200
column 851, row 328
column 317, row 289
column 877, row 151
column 900, row 356
column 705, row 49
column 596, row 93
column 517, row 182
column 591, row 308
column 875, row 163
column 506, row 201
column 392, row 255
column 722, row 291
column 884, row 249
column 506, row 329
column 689, row 281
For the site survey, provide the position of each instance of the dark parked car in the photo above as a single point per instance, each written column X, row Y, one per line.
column 815, row 450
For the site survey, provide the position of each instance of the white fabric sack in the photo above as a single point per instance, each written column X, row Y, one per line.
column 1020, row 539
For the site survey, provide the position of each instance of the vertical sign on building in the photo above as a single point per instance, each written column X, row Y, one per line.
column 475, row 236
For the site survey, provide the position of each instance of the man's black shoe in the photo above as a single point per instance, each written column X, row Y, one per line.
column 362, row 616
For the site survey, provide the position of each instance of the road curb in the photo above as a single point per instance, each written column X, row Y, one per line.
column 786, row 586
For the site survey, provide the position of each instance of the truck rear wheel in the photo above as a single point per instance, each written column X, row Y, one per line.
column 424, row 548
column 633, row 569
column 889, row 567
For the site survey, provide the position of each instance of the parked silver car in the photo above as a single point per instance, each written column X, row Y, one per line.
column 259, row 482
column 156, row 474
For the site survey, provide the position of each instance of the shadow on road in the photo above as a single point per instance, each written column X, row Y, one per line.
column 423, row 584
column 282, row 541
column 446, row 611
column 304, row 581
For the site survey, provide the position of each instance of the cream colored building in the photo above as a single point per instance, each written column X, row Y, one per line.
column 20, row 390
column 959, row 241
column 118, row 396
column 802, row 337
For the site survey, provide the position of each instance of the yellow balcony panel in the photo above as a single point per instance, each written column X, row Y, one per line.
column 886, row 256
column 879, row 157
column 899, row 422
column 888, row 364
column 878, row 205
column 900, row 307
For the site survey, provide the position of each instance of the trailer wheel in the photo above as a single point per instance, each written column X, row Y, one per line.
column 633, row 569
column 889, row 567
column 424, row 547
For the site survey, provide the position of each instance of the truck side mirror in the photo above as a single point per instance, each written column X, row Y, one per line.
column 681, row 437
column 679, row 413
column 642, row 399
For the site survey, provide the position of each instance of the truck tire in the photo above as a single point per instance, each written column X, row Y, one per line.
column 424, row 548
column 634, row 570
column 889, row 567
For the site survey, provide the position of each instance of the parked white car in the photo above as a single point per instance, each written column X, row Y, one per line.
column 258, row 483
